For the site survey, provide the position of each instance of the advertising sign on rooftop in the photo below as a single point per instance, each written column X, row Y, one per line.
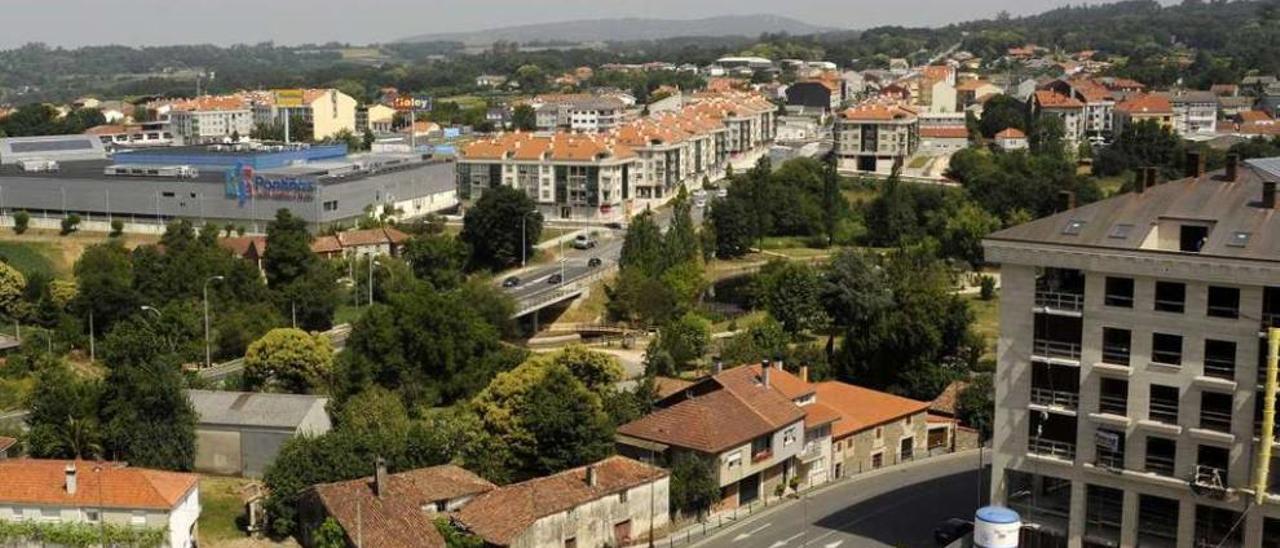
column 289, row 98
column 406, row 103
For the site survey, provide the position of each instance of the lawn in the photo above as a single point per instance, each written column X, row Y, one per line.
column 33, row 257
column 1110, row 186
column 919, row 162
column 986, row 322
column 220, row 507
column 347, row 313
column 13, row 392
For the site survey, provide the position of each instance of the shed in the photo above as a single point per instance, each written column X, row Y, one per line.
column 240, row 433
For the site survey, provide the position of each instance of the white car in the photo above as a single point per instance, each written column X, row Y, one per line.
column 582, row 241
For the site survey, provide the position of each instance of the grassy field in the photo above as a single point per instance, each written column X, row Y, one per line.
column 986, row 322
column 46, row 250
column 34, row 257
column 13, row 392
column 1110, row 186
column 220, row 506
column 919, row 162
column 464, row 101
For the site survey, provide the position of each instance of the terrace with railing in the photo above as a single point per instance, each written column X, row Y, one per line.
column 1055, row 398
column 1044, row 348
column 1052, row 448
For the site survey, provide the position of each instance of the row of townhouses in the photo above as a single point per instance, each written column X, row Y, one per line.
column 767, row 431
column 604, row 175
column 1131, row 364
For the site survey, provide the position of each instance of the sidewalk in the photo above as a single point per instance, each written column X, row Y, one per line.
column 726, row 521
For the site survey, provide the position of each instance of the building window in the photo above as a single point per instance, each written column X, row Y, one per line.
column 623, row 496
column 1157, row 520
column 138, row 519
column 1110, row 448
column 1211, row 466
column 1113, row 397
column 1171, row 297
column 788, row 437
column 1215, row 411
column 1115, row 345
column 331, row 205
column 1192, row 237
column 442, row 505
column 1218, row 527
column 734, row 459
column 1164, row 404
column 1119, row 292
column 1224, row 302
column 571, row 542
column 1166, row 349
column 879, row 432
column 1103, row 511
column 1219, row 359
column 1161, row 455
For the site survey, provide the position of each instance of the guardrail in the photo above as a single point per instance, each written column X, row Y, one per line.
column 1054, row 349
column 1050, row 448
column 1055, row 398
column 1058, row 300
column 564, row 291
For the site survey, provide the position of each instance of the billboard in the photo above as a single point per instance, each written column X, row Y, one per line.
column 289, row 98
column 406, row 103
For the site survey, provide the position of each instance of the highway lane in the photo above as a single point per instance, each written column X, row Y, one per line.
column 897, row 506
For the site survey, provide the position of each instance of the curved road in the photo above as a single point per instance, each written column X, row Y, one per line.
column 897, row 506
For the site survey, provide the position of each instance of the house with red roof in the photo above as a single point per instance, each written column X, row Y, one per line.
column 874, row 136
column 112, row 493
column 1011, row 139
column 1049, row 102
column 1144, row 107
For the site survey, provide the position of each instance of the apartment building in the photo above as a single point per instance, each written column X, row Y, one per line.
column 1129, row 364
column 329, row 111
column 1195, row 113
column 1047, row 102
column 103, row 494
column 970, row 91
column 580, row 112
column 603, row 175
column 209, row 119
column 1097, row 116
column 874, row 137
column 1145, row 107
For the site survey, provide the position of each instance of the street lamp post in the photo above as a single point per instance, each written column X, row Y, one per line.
column 208, row 354
column 524, row 242
column 372, row 263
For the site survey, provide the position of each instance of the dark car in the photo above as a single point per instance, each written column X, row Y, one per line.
column 614, row 226
column 555, row 279
column 593, row 262
column 952, row 530
column 511, row 281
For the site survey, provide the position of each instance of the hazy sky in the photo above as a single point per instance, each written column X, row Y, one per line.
column 152, row 22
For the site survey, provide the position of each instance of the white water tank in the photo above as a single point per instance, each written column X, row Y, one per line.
column 996, row 527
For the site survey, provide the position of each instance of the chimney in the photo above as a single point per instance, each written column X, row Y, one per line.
column 764, row 372
column 1068, row 199
column 1233, row 167
column 71, row 478
column 1195, row 164
column 592, row 480
column 380, row 477
column 804, row 373
column 1269, row 195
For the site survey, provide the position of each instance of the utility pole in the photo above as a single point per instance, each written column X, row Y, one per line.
column 92, row 354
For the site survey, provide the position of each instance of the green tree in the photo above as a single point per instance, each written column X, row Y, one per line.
column 1141, row 144
column 70, row 224
column 117, row 228
column 12, row 287
column 378, row 415
column 765, row 340
column 147, row 418
column 685, row 339
column 1000, row 113
column 105, row 276
column 681, row 243
column 493, row 229
column 963, row 226
column 438, row 259
column 693, row 484
column 731, row 222
column 21, row 220
column 792, row 293
column 367, row 139
column 289, row 360
column 598, row 371
column 642, row 247
column 288, row 256
column 455, row 537
column 63, row 419
column 976, row 405
column 524, row 118
column 329, row 535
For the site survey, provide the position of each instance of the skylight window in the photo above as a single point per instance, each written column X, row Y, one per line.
column 1238, row 239
column 1120, row 231
column 1074, row 227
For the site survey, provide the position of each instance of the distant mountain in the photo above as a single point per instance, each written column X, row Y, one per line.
column 628, row 29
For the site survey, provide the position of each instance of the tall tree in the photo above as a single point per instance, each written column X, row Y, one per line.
column 681, row 243
column 642, row 248
column 524, row 118
column 792, row 293
column 438, row 259
column 105, row 278
column 63, row 419
column 502, row 223
column 288, row 256
column 289, row 360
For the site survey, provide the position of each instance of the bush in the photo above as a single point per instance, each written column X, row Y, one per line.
column 70, row 223
column 117, row 228
column 21, row 221
column 987, row 289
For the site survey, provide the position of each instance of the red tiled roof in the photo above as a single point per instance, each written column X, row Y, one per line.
column 500, row 516
column 947, row 400
column 816, row 414
column 397, row 517
column 240, row 245
column 944, row 132
column 7, row 442
column 877, row 112
column 1011, row 133
column 1052, row 99
column 1146, row 104
column 667, row 386
column 326, row 244
column 862, row 408
column 1247, row 116
column 114, row 485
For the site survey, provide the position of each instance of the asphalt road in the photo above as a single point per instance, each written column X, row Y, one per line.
column 536, row 281
column 895, row 507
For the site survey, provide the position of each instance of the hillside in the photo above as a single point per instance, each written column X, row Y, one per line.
column 629, row 29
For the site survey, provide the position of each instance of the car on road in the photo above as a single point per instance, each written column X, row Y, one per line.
column 511, row 281
column 555, row 279
column 615, row 226
column 594, row 262
column 583, row 241
column 951, row 530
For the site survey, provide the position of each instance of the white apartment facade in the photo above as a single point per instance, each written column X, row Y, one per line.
column 1128, row 388
column 1195, row 113
column 874, row 138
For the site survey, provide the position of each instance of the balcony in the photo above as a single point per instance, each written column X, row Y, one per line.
column 1113, row 405
column 1052, row 448
column 812, row 451
column 1060, row 301
column 761, row 456
column 1055, row 398
column 1047, row 349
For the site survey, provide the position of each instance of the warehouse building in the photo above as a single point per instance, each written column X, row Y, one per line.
column 243, row 184
column 240, row 433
